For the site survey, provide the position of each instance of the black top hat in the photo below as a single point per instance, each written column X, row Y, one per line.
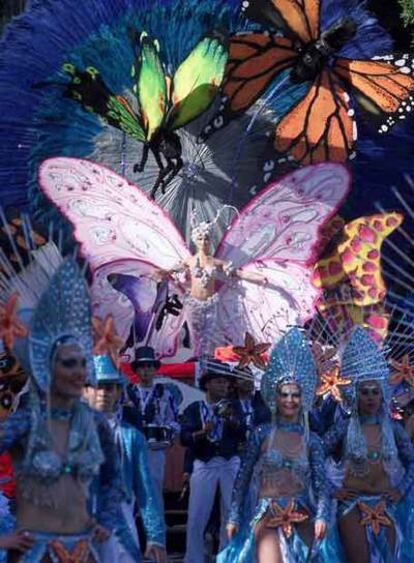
column 145, row 356
column 213, row 369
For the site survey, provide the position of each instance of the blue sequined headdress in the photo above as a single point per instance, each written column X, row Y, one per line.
column 362, row 360
column 62, row 315
column 291, row 360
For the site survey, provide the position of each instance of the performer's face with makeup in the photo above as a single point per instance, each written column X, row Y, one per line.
column 203, row 243
column 369, row 398
column 69, row 372
column 289, row 401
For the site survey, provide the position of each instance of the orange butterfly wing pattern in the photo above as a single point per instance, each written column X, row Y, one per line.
column 301, row 16
column 387, row 82
column 299, row 19
column 320, row 126
column 255, row 59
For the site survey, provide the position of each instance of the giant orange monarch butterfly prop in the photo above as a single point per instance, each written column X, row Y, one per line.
column 321, row 125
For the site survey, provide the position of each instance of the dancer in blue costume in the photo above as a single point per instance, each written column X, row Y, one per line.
column 58, row 444
column 137, row 480
column 293, row 506
column 375, row 474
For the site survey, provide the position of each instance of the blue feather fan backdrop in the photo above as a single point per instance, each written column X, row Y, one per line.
column 36, row 123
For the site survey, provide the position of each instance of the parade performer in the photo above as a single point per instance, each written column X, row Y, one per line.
column 204, row 273
column 57, row 443
column 155, row 408
column 136, row 474
column 293, row 508
column 212, row 431
column 376, row 470
column 274, row 239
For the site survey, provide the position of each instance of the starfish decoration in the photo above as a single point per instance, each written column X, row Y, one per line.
column 10, row 326
column 403, row 371
column 375, row 516
column 251, row 353
column 106, row 339
column 331, row 383
column 285, row 518
column 79, row 554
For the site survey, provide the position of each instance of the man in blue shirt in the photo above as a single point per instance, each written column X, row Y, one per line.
column 136, row 477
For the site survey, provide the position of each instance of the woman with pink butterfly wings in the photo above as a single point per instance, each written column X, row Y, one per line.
column 271, row 242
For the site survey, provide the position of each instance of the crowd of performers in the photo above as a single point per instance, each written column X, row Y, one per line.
column 301, row 474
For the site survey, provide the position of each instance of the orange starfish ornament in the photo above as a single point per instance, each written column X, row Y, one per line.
column 79, row 554
column 106, row 339
column 285, row 518
column 374, row 516
column 403, row 371
column 331, row 383
column 10, row 326
column 251, row 353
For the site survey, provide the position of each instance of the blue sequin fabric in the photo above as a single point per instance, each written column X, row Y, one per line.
column 362, row 360
column 290, row 360
column 400, row 469
column 137, row 480
column 96, row 456
column 63, row 312
column 308, row 468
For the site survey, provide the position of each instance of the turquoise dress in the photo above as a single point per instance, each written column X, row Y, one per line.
column 307, row 469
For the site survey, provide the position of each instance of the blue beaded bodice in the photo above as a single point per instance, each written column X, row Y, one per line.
column 305, row 466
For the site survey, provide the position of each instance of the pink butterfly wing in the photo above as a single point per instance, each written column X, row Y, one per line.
column 111, row 217
column 282, row 222
column 289, row 298
column 120, row 230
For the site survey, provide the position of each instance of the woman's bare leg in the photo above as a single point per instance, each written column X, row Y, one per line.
column 267, row 546
column 353, row 537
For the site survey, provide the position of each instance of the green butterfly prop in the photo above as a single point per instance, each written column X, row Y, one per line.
column 165, row 105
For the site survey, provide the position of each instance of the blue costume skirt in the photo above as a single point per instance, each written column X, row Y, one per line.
column 402, row 518
column 52, row 544
column 242, row 548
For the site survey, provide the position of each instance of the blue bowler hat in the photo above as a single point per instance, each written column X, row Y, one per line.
column 106, row 371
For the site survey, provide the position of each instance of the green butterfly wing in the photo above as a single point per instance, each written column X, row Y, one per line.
column 197, row 80
column 151, row 87
column 89, row 89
